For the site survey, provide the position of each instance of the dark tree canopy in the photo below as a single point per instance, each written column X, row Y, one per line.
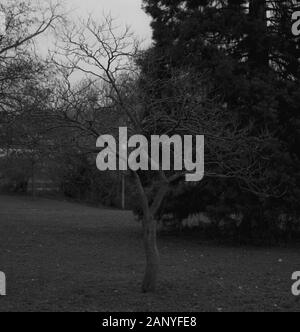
column 247, row 46
column 251, row 55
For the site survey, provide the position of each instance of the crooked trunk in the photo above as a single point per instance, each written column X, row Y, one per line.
column 150, row 234
column 152, row 255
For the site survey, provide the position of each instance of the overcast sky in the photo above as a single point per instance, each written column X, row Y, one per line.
column 125, row 11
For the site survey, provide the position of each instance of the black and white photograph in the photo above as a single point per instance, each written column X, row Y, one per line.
column 149, row 159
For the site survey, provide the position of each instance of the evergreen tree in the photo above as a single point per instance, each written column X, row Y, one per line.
column 253, row 60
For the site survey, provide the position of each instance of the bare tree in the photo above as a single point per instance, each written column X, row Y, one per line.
column 20, row 65
column 106, row 56
column 25, row 20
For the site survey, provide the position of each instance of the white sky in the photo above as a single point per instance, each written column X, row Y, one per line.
column 127, row 12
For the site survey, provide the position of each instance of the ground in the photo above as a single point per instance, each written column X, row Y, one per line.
column 61, row 256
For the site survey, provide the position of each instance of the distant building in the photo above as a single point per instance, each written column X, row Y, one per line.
column 35, row 179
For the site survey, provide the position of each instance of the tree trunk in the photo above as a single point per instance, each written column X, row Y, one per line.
column 152, row 255
column 257, row 40
column 150, row 235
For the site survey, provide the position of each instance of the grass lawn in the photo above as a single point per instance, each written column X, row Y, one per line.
column 61, row 256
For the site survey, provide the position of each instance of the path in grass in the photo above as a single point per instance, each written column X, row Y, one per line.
column 61, row 256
